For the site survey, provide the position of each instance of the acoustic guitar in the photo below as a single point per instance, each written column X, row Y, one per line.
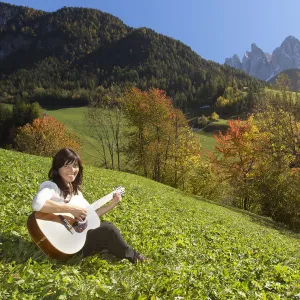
column 60, row 235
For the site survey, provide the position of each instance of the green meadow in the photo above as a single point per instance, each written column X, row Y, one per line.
column 74, row 120
column 199, row 250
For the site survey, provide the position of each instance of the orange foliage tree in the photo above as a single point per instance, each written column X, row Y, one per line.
column 237, row 151
column 162, row 146
column 44, row 137
column 258, row 158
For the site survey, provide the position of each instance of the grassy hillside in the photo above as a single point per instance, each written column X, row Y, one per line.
column 73, row 119
column 199, row 250
column 207, row 134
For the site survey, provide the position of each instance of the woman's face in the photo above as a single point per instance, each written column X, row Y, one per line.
column 69, row 172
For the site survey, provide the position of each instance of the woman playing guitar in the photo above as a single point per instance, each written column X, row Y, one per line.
column 62, row 194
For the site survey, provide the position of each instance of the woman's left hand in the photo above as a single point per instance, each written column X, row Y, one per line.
column 114, row 201
column 117, row 198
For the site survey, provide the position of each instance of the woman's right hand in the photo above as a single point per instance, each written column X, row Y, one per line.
column 78, row 212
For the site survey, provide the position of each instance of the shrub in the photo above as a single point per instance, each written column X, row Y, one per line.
column 44, row 137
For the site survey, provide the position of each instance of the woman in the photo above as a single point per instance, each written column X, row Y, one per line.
column 66, row 175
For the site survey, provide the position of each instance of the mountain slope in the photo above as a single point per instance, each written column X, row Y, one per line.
column 293, row 76
column 199, row 250
column 75, row 48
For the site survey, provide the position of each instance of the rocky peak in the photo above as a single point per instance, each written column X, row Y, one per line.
column 256, row 63
column 234, row 62
column 264, row 65
column 255, row 49
column 287, row 56
column 268, row 56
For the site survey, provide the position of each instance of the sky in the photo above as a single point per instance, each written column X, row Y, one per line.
column 215, row 29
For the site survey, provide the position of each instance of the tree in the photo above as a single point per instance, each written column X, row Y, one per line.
column 5, row 123
column 44, row 137
column 277, row 185
column 150, row 113
column 259, row 159
column 161, row 144
column 23, row 113
column 283, row 82
column 214, row 117
column 202, row 121
column 105, row 119
column 236, row 152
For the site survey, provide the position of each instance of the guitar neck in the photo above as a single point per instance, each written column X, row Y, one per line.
column 100, row 202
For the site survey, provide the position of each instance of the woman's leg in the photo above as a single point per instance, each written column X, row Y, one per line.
column 107, row 236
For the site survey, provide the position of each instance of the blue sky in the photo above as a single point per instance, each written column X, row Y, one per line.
column 215, row 29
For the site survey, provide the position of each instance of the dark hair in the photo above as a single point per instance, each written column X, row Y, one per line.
column 65, row 157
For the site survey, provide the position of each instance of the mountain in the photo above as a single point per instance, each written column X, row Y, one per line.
column 46, row 56
column 264, row 65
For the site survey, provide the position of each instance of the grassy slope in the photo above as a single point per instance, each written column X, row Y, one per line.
column 199, row 250
column 207, row 134
column 73, row 118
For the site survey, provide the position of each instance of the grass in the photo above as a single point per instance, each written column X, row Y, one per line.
column 74, row 120
column 199, row 250
column 207, row 134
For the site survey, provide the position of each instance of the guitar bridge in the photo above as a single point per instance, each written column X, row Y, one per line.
column 66, row 224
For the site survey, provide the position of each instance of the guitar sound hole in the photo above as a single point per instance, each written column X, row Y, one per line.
column 80, row 227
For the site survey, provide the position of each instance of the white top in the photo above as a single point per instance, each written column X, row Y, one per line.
column 50, row 191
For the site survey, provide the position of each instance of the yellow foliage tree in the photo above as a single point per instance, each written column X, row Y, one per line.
column 162, row 145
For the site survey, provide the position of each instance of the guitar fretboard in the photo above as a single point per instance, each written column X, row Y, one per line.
column 100, row 202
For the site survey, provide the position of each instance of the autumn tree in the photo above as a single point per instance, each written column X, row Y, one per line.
column 148, row 113
column 259, row 159
column 277, row 184
column 44, row 137
column 161, row 146
column 236, row 152
column 283, row 82
column 214, row 117
column 182, row 153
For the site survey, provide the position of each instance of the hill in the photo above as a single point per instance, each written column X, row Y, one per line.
column 293, row 76
column 48, row 56
column 199, row 250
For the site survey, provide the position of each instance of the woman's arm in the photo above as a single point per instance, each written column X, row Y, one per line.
column 54, row 207
column 117, row 198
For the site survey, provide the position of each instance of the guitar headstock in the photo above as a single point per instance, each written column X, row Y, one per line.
column 120, row 190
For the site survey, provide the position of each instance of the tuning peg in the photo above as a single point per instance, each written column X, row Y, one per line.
column 120, row 189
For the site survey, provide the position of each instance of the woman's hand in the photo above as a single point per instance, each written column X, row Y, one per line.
column 117, row 198
column 78, row 212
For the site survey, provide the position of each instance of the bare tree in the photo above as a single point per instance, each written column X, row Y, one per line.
column 105, row 119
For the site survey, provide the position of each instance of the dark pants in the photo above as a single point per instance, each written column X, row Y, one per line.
column 107, row 236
